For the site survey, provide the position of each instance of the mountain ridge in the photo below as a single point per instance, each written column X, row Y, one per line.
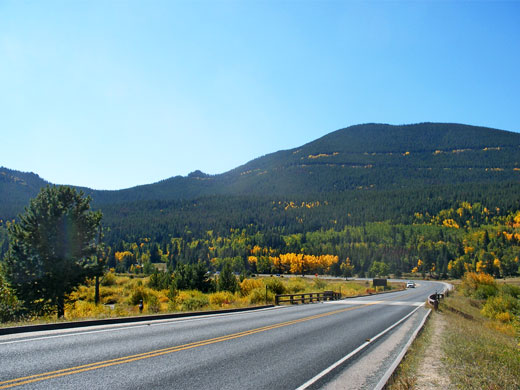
column 361, row 157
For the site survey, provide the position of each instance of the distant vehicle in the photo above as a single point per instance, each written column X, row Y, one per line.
column 410, row 284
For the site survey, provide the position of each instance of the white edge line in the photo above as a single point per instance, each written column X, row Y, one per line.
column 120, row 327
column 361, row 347
column 400, row 357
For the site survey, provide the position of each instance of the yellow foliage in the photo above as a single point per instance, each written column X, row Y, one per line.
column 450, row 223
column 221, row 298
column 256, row 250
column 248, row 285
column 120, row 256
column 472, row 280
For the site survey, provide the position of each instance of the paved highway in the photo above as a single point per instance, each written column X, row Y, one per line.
column 278, row 348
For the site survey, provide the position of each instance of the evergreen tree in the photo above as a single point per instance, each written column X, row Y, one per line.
column 201, row 280
column 227, row 280
column 53, row 249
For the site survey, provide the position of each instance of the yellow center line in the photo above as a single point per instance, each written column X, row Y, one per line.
column 159, row 352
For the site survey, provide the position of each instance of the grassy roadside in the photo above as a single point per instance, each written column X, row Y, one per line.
column 479, row 353
column 476, row 352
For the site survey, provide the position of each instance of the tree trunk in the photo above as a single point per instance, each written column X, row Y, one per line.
column 60, row 305
column 96, row 292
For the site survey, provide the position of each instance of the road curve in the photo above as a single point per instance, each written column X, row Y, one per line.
column 278, row 348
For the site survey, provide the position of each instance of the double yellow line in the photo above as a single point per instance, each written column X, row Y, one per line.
column 146, row 355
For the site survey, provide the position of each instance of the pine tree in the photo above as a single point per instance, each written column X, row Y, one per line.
column 53, row 249
column 227, row 280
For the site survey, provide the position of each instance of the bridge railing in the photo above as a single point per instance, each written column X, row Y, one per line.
column 294, row 299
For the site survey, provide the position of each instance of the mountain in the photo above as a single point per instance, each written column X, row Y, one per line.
column 16, row 188
column 363, row 156
column 350, row 166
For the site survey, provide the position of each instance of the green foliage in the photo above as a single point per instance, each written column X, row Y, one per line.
column 378, row 268
column 138, row 294
column 503, row 307
column 172, row 291
column 153, row 304
column 148, row 268
column 193, row 277
column 319, row 284
column 195, row 302
column 479, row 285
column 275, row 285
column 485, row 291
column 160, row 280
column 376, row 194
column 257, row 296
column 227, row 280
column 53, row 249
column 9, row 304
column 109, row 279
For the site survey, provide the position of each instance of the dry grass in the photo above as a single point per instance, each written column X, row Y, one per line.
column 478, row 354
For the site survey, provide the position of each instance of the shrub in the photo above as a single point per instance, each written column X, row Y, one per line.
column 172, row 291
column 82, row 309
column 9, row 305
column 153, row 304
column 108, row 280
column 495, row 307
column 160, row 280
column 471, row 282
column 319, row 284
column 484, row 291
column 191, row 300
column 275, row 285
column 296, row 285
column 509, row 289
column 195, row 303
column 111, row 299
column 137, row 294
column 258, row 296
column 248, row 285
column 221, row 298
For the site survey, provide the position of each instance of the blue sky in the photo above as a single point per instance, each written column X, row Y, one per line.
column 112, row 94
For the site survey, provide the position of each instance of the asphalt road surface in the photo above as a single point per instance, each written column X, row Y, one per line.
column 277, row 348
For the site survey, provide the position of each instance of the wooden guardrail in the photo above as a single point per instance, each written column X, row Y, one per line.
column 306, row 297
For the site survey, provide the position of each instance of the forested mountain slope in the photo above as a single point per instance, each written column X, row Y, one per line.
column 370, row 157
column 370, row 193
column 363, row 156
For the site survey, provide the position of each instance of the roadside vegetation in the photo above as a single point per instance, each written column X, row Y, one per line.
column 120, row 295
column 480, row 346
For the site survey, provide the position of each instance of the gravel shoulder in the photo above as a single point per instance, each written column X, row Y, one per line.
column 431, row 373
